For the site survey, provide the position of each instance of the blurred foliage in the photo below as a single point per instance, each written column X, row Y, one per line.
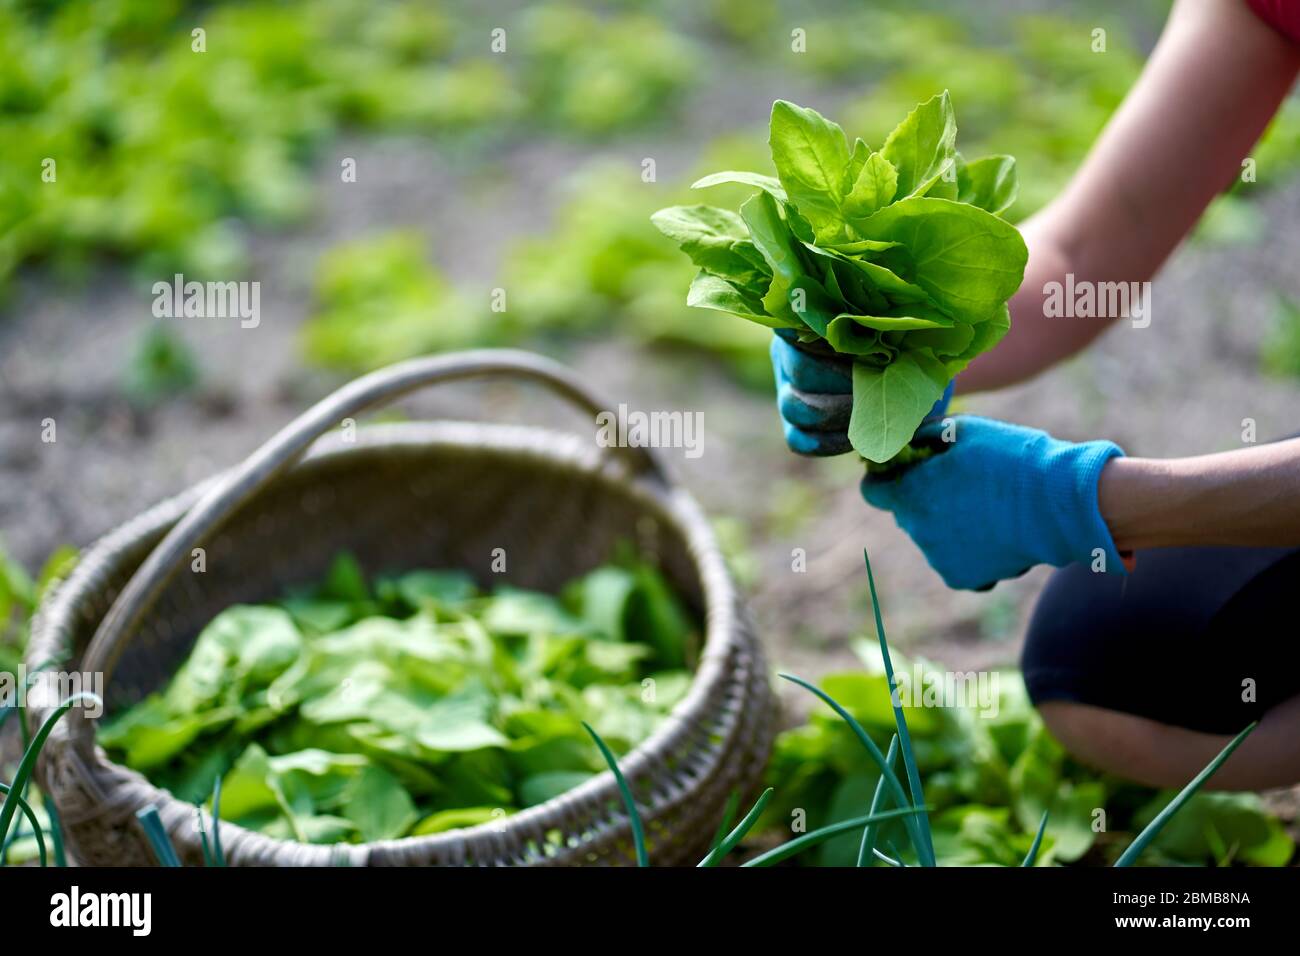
column 160, row 366
column 990, row 769
column 614, row 271
column 155, row 147
column 19, row 595
column 1280, row 352
column 380, row 300
column 592, row 75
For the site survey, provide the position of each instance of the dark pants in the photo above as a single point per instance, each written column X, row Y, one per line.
column 1176, row 640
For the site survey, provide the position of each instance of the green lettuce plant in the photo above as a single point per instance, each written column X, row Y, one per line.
column 895, row 258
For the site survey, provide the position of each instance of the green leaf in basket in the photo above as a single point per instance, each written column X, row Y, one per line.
column 545, row 786
column 345, row 580
column 379, row 805
column 352, row 713
column 441, row 590
column 458, row 819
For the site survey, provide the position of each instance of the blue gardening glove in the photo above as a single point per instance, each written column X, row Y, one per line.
column 814, row 395
column 999, row 499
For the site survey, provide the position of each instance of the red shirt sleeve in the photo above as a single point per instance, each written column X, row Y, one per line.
column 1282, row 15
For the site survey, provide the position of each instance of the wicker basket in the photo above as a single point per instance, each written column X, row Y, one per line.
column 406, row 495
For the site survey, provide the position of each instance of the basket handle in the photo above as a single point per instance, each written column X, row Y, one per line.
column 239, row 484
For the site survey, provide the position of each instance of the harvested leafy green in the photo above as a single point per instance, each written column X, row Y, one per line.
column 419, row 704
column 896, row 258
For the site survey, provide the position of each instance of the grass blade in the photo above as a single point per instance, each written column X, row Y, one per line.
column 1032, row 855
column 28, row 764
column 738, row 834
column 1164, row 816
column 208, row 859
column 31, row 819
column 887, row 859
column 157, row 834
column 798, row 845
column 638, row 832
column 728, row 814
column 926, row 849
column 56, row 830
column 895, row 785
column 218, row 855
column 868, row 845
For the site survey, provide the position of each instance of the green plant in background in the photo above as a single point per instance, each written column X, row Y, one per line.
column 378, row 300
column 615, row 273
column 19, row 596
column 594, row 74
column 17, row 599
column 357, row 713
column 1279, row 353
column 155, row 146
column 160, row 366
column 896, row 258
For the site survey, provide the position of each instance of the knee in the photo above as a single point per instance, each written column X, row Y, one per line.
column 1151, row 753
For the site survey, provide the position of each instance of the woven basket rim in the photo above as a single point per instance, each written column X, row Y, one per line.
column 564, row 450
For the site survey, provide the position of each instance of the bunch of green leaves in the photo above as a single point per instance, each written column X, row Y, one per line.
column 358, row 711
column 895, row 258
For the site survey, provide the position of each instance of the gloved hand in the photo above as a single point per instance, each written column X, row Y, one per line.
column 999, row 499
column 814, row 395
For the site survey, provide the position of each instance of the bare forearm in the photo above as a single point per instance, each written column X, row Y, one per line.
column 1036, row 340
column 1208, row 90
column 1249, row 497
